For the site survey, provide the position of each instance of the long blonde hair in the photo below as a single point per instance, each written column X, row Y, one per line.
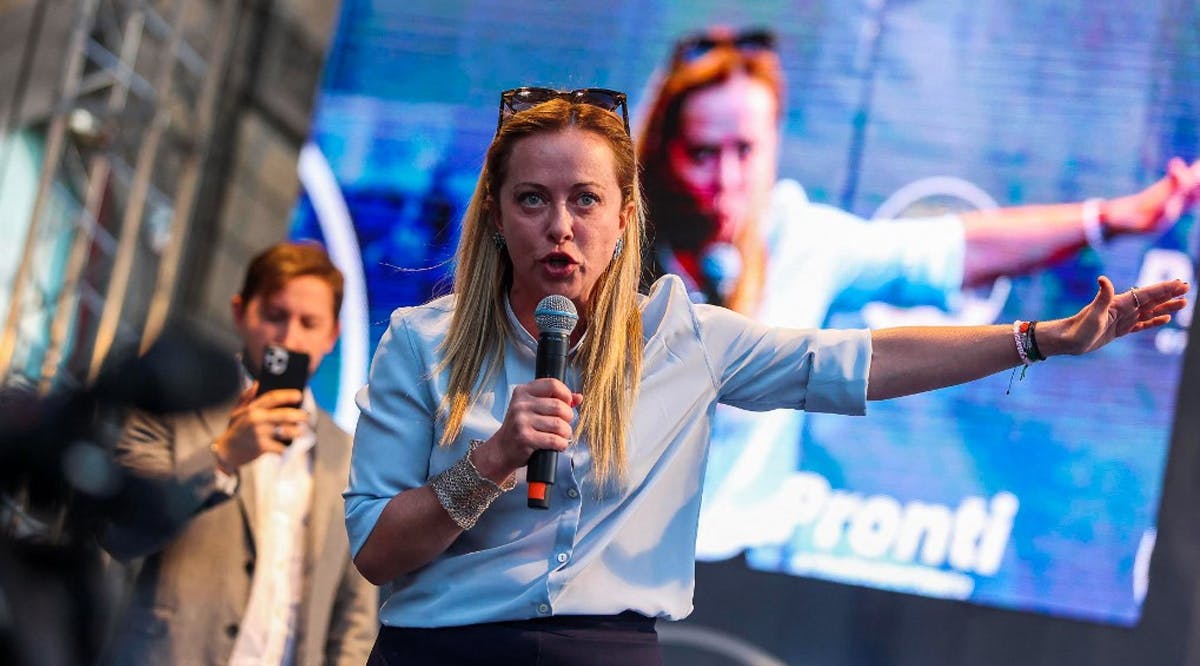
column 610, row 359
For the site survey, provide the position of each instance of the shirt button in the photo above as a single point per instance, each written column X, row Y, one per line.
column 572, row 493
column 562, row 557
column 543, row 609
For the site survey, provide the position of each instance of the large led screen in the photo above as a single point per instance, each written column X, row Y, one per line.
column 1034, row 491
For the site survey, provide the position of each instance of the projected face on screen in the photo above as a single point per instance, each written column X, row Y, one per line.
column 859, row 196
column 724, row 154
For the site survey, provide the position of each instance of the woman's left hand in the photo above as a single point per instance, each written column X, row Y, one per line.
column 1111, row 315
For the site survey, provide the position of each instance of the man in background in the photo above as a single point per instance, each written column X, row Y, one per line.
column 246, row 559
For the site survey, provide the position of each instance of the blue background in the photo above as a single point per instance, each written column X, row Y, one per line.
column 1033, row 103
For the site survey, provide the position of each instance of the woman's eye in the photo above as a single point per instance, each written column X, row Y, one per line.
column 588, row 199
column 529, row 199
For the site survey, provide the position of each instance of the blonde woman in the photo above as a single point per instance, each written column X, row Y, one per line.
column 453, row 413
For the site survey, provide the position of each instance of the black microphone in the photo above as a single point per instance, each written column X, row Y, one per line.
column 556, row 318
column 720, row 266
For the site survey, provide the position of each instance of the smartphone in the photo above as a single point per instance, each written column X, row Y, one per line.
column 282, row 369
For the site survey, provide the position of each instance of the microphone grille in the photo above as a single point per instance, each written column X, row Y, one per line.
column 556, row 314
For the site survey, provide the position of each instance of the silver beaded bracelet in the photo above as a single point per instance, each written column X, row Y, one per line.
column 464, row 492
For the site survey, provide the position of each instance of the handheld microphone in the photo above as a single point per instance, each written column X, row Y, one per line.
column 555, row 317
column 721, row 266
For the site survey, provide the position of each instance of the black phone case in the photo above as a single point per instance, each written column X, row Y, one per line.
column 282, row 369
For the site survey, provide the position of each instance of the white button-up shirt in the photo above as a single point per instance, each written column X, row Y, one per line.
column 282, row 497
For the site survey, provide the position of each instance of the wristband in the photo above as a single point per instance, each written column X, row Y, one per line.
column 1018, row 334
column 1035, row 354
column 1026, row 343
column 1093, row 223
column 465, row 493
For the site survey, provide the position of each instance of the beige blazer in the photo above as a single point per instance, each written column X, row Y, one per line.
column 197, row 546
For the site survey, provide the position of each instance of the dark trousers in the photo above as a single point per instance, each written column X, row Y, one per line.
column 571, row 640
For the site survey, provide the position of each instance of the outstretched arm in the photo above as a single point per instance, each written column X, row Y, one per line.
column 1014, row 240
column 915, row 359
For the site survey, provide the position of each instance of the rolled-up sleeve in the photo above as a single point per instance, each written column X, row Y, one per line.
column 395, row 432
column 759, row 367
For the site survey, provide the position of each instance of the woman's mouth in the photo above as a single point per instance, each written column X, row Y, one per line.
column 559, row 264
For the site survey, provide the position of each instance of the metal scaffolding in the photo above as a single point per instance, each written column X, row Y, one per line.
column 125, row 142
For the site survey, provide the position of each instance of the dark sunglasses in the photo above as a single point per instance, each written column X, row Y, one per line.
column 748, row 41
column 520, row 99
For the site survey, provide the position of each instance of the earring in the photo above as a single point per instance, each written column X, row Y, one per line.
column 498, row 239
column 617, row 249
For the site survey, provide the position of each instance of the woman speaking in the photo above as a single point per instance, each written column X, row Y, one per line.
column 453, row 412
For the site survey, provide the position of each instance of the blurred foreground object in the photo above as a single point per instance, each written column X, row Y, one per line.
column 59, row 483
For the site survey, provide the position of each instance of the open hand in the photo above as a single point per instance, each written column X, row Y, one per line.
column 1111, row 315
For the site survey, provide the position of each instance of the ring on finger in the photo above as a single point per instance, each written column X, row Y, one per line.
column 277, row 432
column 1137, row 302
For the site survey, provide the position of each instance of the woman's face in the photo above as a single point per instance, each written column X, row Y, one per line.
column 561, row 213
column 724, row 156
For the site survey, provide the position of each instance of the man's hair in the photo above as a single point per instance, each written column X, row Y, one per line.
column 271, row 269
column 610, row 356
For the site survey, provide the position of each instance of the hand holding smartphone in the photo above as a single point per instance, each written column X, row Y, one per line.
column 282, row 369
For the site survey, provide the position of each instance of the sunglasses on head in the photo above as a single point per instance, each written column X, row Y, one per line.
column 748, row 41
column 520, row 99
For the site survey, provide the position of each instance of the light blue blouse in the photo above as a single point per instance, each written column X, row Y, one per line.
column 596, row 551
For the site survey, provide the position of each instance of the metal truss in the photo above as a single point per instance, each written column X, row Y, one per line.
column 125, row 144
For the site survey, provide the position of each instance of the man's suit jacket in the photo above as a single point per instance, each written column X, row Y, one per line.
column 198, row 546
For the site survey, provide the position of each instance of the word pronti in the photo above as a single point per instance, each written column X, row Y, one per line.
column 971, row 537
